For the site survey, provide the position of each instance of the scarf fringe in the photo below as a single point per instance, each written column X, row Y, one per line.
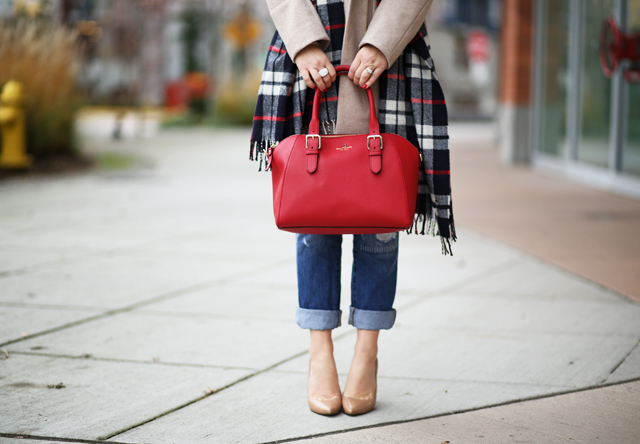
column 429, row 225
column 328, row 127
column 446, row 242
column 258, row 148
column 258, row 152
column 446, row 246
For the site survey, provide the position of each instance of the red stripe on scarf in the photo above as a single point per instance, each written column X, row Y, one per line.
column 415, row 39
column 394, row 76
column 324, row 99
column 278, row 50
column 271, row 118
column 277, row 119
column 429, row 102
column 441, row 172
column 333, row 27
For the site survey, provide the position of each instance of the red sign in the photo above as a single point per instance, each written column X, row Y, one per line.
column 616, row 46
column 478, row 46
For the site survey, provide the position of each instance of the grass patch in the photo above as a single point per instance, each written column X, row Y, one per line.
column 111, row 161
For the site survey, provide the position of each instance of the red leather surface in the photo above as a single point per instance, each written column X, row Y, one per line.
column 336, row 185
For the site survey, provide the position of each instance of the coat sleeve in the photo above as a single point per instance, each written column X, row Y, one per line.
column 299, row 25
column 394, row 24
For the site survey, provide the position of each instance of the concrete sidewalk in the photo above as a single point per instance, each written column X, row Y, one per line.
column 156, row 306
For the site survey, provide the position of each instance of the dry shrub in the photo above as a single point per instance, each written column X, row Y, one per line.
column 44, row 58
column 236, row 102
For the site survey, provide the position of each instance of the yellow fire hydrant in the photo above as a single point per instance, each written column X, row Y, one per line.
column 12, row 127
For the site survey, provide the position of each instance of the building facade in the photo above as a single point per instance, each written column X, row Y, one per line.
column 558, row 108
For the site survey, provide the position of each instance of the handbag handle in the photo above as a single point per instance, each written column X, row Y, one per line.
column 314, row 126
column 374, row 139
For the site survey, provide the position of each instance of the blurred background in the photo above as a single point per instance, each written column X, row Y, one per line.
column 532, row 69
column 141, row 271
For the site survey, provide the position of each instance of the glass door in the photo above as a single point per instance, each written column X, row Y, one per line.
column 555, row 77
column 631, row 149
column 581, row 115
column 595, row 88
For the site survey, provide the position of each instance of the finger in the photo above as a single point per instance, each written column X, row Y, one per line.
column 318, row 79
column 354, row 67
column 332, row 72
column 328, row 79
column 365, row 77
column 373, row 77
column 358, row 75
column 307, row 79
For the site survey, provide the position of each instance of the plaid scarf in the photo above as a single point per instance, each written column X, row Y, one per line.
column 412, row 105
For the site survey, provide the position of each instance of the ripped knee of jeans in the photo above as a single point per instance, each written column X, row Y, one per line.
column 386, row 237
column 318, row 240
column 377, row 243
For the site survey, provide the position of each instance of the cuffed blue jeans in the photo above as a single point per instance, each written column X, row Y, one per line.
column 373, row 281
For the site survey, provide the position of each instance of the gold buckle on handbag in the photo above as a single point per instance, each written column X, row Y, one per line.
column 306, row 140
column 373, row 137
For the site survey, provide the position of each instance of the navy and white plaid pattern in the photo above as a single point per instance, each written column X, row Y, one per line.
column 412, row 105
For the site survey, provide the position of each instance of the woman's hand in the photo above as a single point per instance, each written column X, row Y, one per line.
column 368, row 57
column 310, row 60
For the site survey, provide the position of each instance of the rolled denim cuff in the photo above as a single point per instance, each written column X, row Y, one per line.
column 371, row 320
column 318, row 319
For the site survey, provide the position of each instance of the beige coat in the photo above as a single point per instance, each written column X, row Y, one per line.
column 389, row 28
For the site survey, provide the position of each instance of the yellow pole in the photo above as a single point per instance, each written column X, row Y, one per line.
column 13, row 128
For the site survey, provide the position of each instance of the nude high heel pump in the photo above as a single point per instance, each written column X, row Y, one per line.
column 359, row 404
column 323, row 405
column 327, row 405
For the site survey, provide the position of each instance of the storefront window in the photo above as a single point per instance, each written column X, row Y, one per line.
column 595, row 88
column 554, row 97
column 631, row 153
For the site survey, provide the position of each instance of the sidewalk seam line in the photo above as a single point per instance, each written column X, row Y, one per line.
column 54, row 438
column 466, row 381
column 134, row 247
column 468, row 280
column 111, row 312
column 39, row 306
column 560, row 267
column 200, row 398
column 489, row 406
column 621, row 362
column 162, row 297
column 128, row 361
column 245, row 378
column 75, row 259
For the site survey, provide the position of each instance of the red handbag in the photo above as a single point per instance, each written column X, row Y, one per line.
column 346, row 183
